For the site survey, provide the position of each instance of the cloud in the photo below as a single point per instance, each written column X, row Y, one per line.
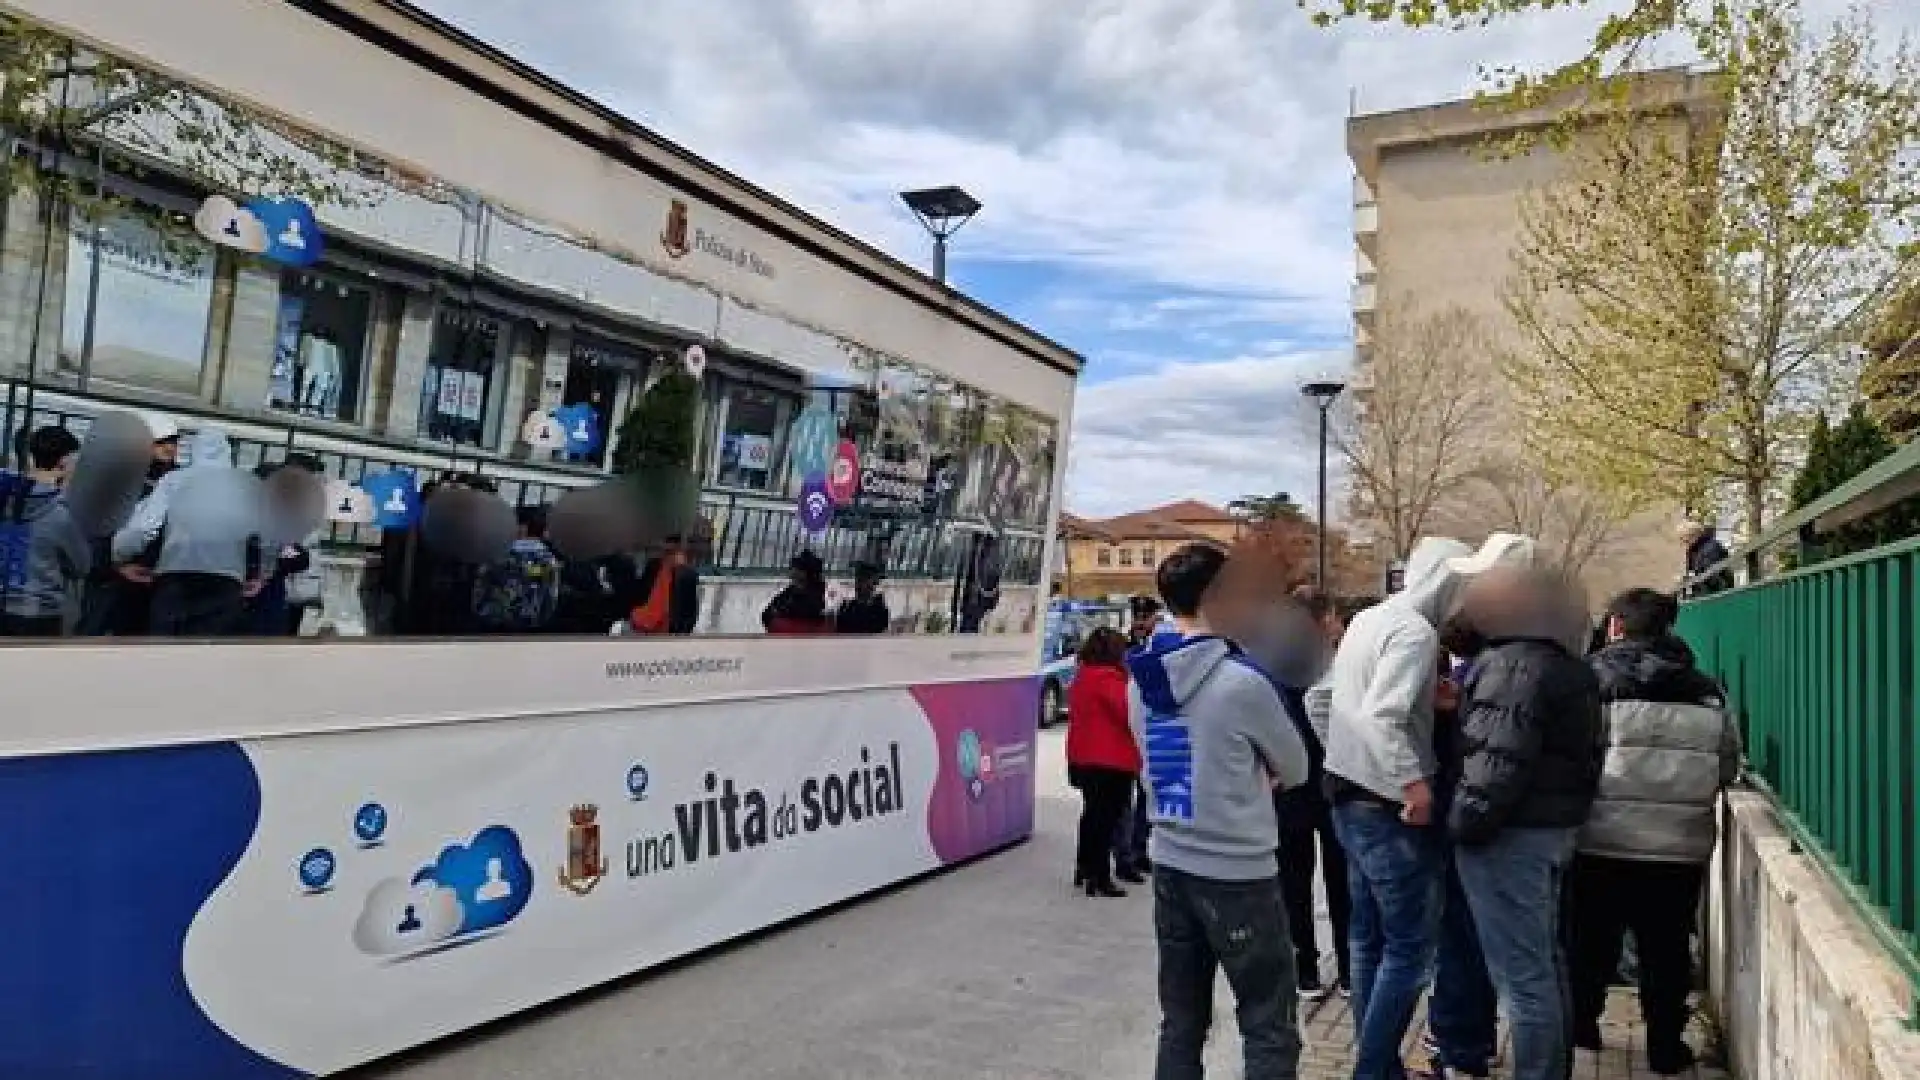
column 401, row 918
column 490, row 876
column 1165, row 181
column 1217, row 431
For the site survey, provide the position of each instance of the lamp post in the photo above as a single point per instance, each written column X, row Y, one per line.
column 1324, row 393
column 942, row 211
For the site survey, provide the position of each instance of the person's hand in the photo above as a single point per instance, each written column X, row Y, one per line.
column 135, row 573
column 1416, row 803
column 252, row 588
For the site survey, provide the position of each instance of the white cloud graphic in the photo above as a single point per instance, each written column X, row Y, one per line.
column 401, row 918
column 226, row 223
column 542, row 433
column 349, row 503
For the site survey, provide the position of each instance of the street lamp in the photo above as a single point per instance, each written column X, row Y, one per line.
column 1324, row 393
column 942, row 211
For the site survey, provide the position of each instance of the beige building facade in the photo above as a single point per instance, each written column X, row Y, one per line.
column 1437, row 223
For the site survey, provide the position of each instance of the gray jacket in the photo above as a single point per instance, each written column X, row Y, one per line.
column 1671, row 748
column 207, row 515
column 57, row 554
column 1215, row 737
column 1379, row 729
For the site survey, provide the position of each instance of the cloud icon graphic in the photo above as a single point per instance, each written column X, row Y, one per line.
column 489, row 876
column 349, row 504
column 224, row 222
column 401, row 918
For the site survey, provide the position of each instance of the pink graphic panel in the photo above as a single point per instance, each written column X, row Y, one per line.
column 983, row 798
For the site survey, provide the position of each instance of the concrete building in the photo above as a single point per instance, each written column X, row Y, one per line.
column 1117, row 556
column 1436, row 223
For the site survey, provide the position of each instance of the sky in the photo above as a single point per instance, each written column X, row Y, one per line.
column 1165, row 182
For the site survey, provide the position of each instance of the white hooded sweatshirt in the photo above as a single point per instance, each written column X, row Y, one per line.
column 1380, row 717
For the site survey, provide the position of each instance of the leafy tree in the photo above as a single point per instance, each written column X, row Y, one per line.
column 1834, row 457
column 1418, row 427
column 658, row 432
column 1691, row 297
column 1264, row 508
column 1891, row 377
column 60, row 97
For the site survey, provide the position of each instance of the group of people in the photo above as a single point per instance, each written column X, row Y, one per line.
column 203, row 548
column 1493, row 805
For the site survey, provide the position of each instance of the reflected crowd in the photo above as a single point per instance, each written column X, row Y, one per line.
column 141, row 530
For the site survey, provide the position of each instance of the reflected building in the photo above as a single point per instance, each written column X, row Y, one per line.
column 438, row 317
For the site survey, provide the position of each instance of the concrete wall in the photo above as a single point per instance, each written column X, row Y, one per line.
column 1799, row 985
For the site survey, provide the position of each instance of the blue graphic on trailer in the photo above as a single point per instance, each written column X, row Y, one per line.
column 637, row 780
column 395, row 497
column 370, row 824
column 109, row 858
column 814, row 438
column 470, row 890
column 292, row 231
column 580, row 425
column 316, row 870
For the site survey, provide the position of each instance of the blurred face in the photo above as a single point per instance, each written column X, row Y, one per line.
column 1333, row 626
column 168, row 452
column 864, row 585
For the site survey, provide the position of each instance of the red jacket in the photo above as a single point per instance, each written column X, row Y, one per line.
column 1097, row 733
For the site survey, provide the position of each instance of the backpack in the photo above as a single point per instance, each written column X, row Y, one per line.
column 16, row 531
column 520, row 592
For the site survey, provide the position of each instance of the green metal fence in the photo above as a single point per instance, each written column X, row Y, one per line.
column 1820, row 668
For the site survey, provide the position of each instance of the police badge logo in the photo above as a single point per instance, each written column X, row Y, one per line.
column 674, row 237
column 585, row 866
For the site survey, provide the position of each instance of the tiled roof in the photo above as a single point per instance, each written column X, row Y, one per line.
column 1169, row 522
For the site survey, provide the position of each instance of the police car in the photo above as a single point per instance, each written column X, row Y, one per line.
column 1067, row 626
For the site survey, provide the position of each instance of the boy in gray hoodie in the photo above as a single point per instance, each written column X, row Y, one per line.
column 1217, row 740
column 46, row 555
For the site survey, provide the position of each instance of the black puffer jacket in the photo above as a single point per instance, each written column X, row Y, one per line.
column 1530, row 741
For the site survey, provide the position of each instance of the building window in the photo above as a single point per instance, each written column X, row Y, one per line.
column 750, row 430
column 1105, row 557
column 459, row 376
column 1146, row 555
column 320, row 348
column 137, row 304
column 1126, row 556
column 593, row 378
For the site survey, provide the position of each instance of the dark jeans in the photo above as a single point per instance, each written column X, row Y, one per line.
column 1463, row 1013
column 1104, row 794
column 1658, row 903
column 1514, row 884
column 1203, row 926
column 1394, row 872
column 198, row 605
column 1130, row 835
column 1301, row 829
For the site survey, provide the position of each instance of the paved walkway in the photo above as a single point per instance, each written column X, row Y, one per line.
column 997, row 970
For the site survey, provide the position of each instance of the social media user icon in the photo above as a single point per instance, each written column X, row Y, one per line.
column 543, row 432
column 293, row 233
column 844, row 482
column 370, row 824
column 221, row 221
column 348, row 504
column 316, row 870
column 637, row 780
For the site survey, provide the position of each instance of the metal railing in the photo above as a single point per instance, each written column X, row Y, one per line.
column 1820, row 668
column 754, row 536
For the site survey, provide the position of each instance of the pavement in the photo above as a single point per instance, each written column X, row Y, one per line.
column 993, row 970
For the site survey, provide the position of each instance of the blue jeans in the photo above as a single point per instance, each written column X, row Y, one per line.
column 1463, row 1013
column 1394, row 873
column 1202, row 927
column 1513, row 883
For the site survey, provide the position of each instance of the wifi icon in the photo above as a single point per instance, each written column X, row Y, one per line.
column 815, row 506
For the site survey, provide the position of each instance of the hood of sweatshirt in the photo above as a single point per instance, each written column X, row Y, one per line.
column 1170, row 667
column 1432, row 588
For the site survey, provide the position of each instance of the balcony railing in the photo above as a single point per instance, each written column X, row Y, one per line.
column 1364, row 301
